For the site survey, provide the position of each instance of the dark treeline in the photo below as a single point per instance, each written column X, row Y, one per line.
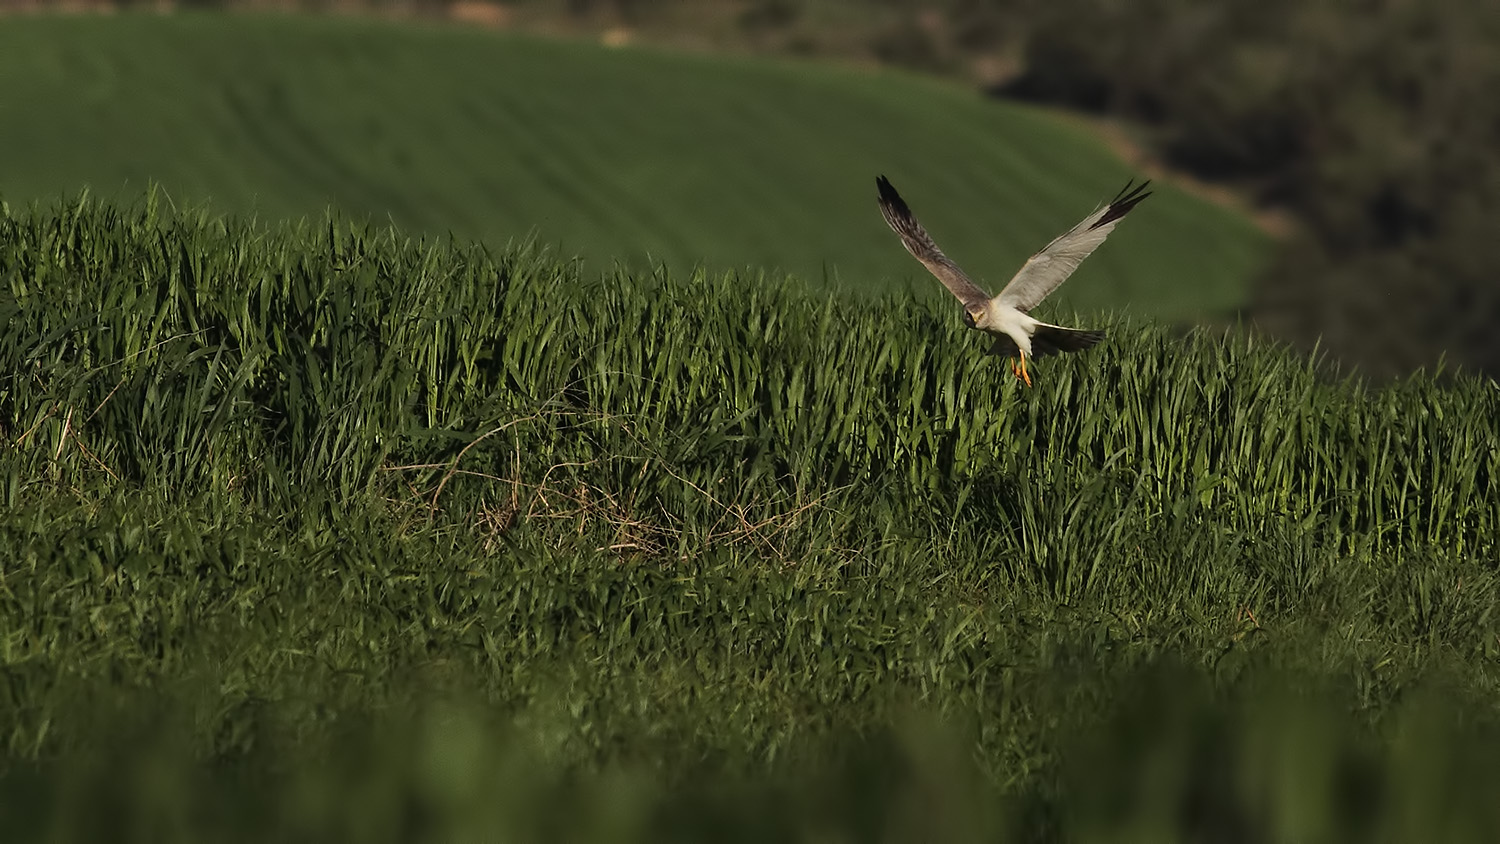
column 1375, row 122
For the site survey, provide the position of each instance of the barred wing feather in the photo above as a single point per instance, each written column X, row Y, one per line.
column 916, row 240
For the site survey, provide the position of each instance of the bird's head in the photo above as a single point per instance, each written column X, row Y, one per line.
column 972, row 316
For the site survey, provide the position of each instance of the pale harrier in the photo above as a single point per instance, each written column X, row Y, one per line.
column 1006, row 316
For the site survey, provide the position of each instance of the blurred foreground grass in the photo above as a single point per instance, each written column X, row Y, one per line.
column 1258, row 759
column 324, row 532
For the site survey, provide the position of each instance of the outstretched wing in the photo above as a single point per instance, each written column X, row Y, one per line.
column 1049, row 268
column 920, row 244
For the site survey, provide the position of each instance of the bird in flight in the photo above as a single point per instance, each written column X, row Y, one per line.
column 1007, row 316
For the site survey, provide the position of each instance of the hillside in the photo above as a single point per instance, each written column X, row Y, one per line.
column 613, row 154
column 322, row 532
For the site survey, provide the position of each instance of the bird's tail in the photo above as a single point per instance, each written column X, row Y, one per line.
column 1054, row 339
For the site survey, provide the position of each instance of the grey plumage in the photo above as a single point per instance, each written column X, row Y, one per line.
column 1006, row 316
column 1045, row 271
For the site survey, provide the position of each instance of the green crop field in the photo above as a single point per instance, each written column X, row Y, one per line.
column 321, row 532
column 611, row 154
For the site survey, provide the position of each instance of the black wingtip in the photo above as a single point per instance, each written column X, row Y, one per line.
column 889, row 198
column 1129, row 197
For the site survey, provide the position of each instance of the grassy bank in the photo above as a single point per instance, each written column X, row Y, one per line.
column 614, row 154
column 325, row 530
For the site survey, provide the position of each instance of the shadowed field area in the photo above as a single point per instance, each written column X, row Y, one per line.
column 613, row 154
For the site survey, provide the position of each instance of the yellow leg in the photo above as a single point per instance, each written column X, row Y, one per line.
column 1020, row 370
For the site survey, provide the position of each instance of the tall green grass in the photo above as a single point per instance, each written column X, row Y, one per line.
column 219, row 360
column 633, row 155
column 271, row 495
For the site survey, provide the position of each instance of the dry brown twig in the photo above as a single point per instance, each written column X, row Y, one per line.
column 560, row 494
column 69, row 432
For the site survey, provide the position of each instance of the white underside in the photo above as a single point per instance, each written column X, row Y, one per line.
column 1004, row 319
